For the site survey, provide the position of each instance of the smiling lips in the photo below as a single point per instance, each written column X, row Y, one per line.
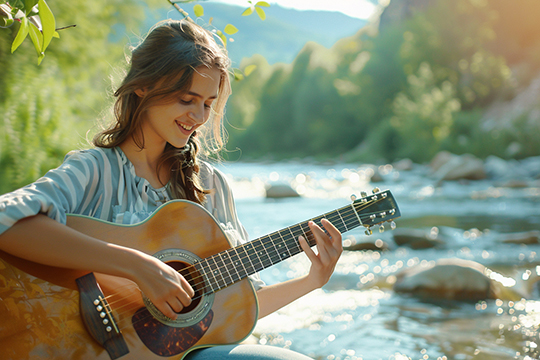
column 184, row 126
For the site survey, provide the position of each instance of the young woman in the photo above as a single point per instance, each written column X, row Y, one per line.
column 168, row 114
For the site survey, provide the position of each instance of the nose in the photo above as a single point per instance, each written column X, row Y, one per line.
column 197, row 113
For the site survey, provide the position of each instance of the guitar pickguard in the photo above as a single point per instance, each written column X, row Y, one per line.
column 164, row 340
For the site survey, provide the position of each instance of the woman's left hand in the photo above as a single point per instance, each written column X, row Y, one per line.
column 329, row 248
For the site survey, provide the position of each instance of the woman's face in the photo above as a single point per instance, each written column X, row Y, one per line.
column 174, row 121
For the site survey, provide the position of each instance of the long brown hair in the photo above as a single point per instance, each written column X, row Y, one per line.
column 164, row 64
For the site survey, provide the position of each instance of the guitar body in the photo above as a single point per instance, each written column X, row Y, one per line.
column 40, row 313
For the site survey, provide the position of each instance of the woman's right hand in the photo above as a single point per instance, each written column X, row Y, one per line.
column 169, row 291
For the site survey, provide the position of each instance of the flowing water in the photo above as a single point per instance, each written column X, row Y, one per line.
column 357, row 315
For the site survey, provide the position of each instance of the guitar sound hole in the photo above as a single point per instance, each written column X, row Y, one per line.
column 194, row 278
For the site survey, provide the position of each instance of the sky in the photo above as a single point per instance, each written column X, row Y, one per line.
column 361, row 9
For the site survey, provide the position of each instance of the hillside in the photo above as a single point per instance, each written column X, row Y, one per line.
column 454, row 75
column 280, row 37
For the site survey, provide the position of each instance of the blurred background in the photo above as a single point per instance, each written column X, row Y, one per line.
column 436, row 100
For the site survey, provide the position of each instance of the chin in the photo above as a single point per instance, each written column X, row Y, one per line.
column 178, row 144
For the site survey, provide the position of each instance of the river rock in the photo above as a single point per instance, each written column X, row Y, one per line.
column 520, row 238
column 416, row 238
column 403, row 165
column 451, row 279
column 446, row 166
column 378, row 245
column 275, row 191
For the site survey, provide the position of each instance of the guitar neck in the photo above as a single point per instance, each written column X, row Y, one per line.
column 232, row 265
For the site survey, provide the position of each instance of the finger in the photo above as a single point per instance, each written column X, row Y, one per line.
column 324, row 244
column 167, row 310
column 187, row 287
column 176, row 305
column 307, row 249
column 333, row 232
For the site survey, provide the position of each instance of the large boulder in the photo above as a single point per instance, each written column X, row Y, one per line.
column 446, row 166
column 280, row 191
column 520, row 238
column 417, row 239
column 452, row 279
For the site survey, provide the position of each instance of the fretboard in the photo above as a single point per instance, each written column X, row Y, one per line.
column 230, row 266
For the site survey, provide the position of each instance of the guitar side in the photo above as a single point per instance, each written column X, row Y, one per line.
column 39, row 304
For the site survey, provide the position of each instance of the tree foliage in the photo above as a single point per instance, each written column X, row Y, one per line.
column 408, row 89
column 47, row 109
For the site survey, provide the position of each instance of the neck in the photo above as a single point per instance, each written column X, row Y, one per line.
column 145, row 161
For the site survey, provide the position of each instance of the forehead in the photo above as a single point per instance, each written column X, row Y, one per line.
column 206, row 81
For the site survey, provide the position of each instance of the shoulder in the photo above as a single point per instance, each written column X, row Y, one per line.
column 95, row 157
column 211, row 176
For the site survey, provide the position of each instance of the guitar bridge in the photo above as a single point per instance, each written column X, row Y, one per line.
column 98, row 318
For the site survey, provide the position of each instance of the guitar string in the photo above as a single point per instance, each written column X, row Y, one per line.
column 197, row 297
column 286, row 241
column 291, row 246
column 273, row 249
column 144, row 318
column 296, row 249
column 304, row 230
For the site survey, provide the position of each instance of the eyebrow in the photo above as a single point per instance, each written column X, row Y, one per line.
column 200, row 96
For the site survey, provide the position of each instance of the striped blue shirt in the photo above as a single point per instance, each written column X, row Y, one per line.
column 101, row 183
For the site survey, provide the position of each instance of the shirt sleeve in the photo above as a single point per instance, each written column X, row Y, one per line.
column 59, row 192
column 224, row 210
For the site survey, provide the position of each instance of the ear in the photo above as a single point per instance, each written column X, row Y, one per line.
column 140, row 92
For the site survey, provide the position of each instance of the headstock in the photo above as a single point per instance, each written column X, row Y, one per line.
column 376, row 209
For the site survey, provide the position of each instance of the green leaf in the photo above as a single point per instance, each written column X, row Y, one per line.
column 248, row 11
column 261, row 13
column 230, row 29
column 262, row 3
column 29, row 5
column 238, row 75
column 47, row 22
column 198, row 10
column 249, row 69
column 21, row 34
column 56, row 35
column 223, row 37
column 37, row 38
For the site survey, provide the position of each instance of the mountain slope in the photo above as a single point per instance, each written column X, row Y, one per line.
column 279, row 38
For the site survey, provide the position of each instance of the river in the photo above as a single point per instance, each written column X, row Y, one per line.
column 357, row 315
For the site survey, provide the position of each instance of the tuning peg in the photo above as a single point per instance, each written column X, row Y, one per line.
column 381, row 228
column 363, row 194
column 353, row 197
column 376, row 190
column 392, row 225
column 368, row 231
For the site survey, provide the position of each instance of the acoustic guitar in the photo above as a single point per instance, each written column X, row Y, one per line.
column 49, row 312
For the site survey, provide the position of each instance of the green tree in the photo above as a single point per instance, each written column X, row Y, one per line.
column 49, row 108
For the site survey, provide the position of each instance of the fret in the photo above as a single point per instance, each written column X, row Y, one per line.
column 294, row 243
column 262, row 253
column 357, row 215
column 294, row 247
column 233, row 271
column 224, row 268
column 246, row 261
column 271, row 249
column 306, row 232
column 218, row 275
column 253, row 257
column 208, row 276
column 344, row 223
column 281, row 246
column 238, row 263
